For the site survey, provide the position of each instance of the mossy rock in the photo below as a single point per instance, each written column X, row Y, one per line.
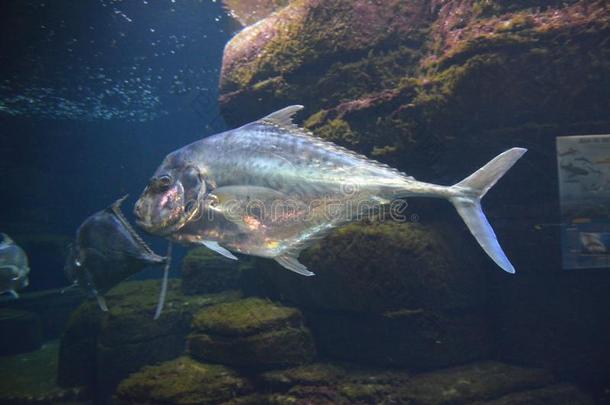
column 182, row 381
column 31, row 378
column 204, row 271
column 415, row 339
column 440, row 92
column 480, row 383
column 560, row 394
column 262, row 61
column 251, row 333
column 249, row 12
column 99, row 349
column 377, row 267
column 310, row 374
column 245, row 317
column 21, row 331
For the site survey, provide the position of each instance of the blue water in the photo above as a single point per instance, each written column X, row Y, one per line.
column 93, row 95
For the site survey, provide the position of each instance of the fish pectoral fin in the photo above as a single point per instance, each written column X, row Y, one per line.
column 101, row 301
column 13, row 293
column 213, row 245
column 71, row 286
column 292, row 264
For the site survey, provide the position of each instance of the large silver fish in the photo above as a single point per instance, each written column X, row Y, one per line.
column 14, row 267
column 270, row 188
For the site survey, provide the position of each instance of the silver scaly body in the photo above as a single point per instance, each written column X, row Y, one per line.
column 272, row 189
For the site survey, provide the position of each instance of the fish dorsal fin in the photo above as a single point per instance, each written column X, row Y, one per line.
column 283, row 117
column 6, row 239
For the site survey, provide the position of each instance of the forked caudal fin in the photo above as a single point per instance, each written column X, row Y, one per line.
column 467, row 196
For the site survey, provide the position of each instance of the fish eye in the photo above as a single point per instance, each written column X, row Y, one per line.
column 164, row 181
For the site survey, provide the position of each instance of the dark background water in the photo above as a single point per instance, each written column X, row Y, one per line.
column 93, row 95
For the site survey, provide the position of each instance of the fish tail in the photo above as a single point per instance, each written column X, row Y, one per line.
column 466, row 197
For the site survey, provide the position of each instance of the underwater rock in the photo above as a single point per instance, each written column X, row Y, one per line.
column 204, row 271
column 251, row 333
column 30, row 378
column 21, row 331
column 285, row 56
column 560, row 394
column 436, row 88
column 100, row 349
column 377, row 267
column 571, row 340
column 182, row 381
column 409, row 286
column 328, row 383
column 53, row 308
column 251, row 11
column 417, row 339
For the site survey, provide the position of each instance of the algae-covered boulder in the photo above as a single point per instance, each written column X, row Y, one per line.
column 30, row 378
column 251, row 11
column 436, row 89
column 480, row 383
column 559, row 394
column 294, row 55
column 414, row 338
column 100, row 349
column 377, row 267
column 204, row 271
column 182, row 381
column 252, row 333
column 21, row 331
column 398, row 294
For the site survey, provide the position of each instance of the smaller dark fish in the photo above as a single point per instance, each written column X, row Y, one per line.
column 107, row 251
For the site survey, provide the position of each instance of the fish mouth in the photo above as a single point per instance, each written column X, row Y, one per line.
column 116, row 209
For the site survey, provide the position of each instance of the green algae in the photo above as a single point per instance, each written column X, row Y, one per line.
column 101, row 348
column 286, row 346
column 339, row 132
column 182, row 381
column 31, row 373
column 310, row 374
column 244, row 317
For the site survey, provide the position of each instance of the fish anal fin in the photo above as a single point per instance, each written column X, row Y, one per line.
column 283, row 117
column 213, row 245
column 291, row 263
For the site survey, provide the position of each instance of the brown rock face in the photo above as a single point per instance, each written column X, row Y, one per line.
column 251, row 333
column 437, row 88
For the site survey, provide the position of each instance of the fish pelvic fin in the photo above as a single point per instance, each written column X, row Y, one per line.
column 163, row 292
column 291, row 263
column 101, row 302
column 213, row 245
column 466, row 197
